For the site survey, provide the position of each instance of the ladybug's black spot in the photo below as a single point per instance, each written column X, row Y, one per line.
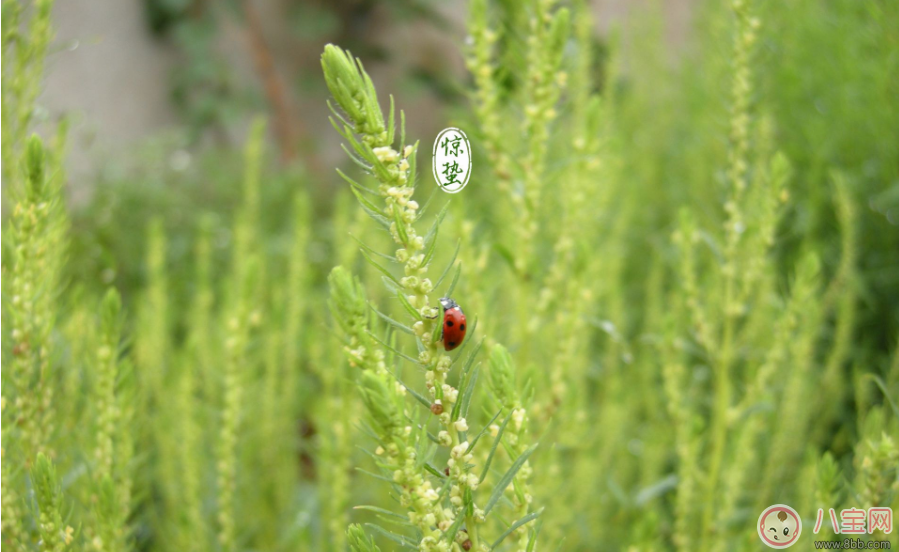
column 449, row 324
column 462, row 327
column 452, row 344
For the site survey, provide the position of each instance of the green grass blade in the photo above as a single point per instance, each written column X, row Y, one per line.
column 482, row 432
column 507, row 478
column 526, row 519
column 496, row 442
column 392, row 322
column 402, row 540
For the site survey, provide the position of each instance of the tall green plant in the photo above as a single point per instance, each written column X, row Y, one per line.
column 442, row 511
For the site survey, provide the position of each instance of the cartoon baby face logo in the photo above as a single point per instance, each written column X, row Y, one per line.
column 779, row 526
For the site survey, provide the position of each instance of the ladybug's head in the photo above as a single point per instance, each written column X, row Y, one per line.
column 447, row 303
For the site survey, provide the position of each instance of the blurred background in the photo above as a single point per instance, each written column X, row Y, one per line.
column 194, row 72
column 159, row 93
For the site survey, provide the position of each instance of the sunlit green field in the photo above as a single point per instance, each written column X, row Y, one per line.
column 680, row 276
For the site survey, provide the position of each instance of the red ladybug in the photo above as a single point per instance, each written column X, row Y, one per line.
column 453, row 324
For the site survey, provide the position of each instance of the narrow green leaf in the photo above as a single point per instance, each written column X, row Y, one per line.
column 383, row 270
column 360, row 188
column 392, row 322
column 883, row 388
column 362, row 164
column 380, row 219
column 438, row 220
column 507, row 478
column 471, row 356
column 449, row 265
column 430, row 247
column 535, row 532
column 402, row 540
column 391, row 122
column 424, row 208
column 367, row 204
column 402, row 129
column 496, row 442
column 432, row 452
column 418, row 396
column 367, row 430
column 655, row 490
column 437, row 333
column 469, row 392
column 464, row 380
column 452, row 286
column 400, row 225
column 431, row 237
column 373, row 251
column 341, row 128
column 364, row 150
column 434, row 471
column 391, row 285
column 392, row 349
column 408, row 306
column 380, row 170
column 420, row 457
column 446, row 487
column 450, row 533
column 337, row 113
column 482, row 432
column 375, row 475
column 382, row 511
column 370, row 453
column 413, row 164
column 431, row 436
column 526, row 519
column 425, row 402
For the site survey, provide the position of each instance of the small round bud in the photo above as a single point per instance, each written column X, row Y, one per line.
column 444, row 363
column 444, row 439
column 410, row 282
column 426, row 286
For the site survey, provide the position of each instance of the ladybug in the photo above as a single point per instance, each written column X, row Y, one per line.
column 453, row 324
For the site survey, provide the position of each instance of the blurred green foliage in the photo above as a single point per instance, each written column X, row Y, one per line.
column 691, row 260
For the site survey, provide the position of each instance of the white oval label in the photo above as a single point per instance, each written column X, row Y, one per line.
column 451, row 161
